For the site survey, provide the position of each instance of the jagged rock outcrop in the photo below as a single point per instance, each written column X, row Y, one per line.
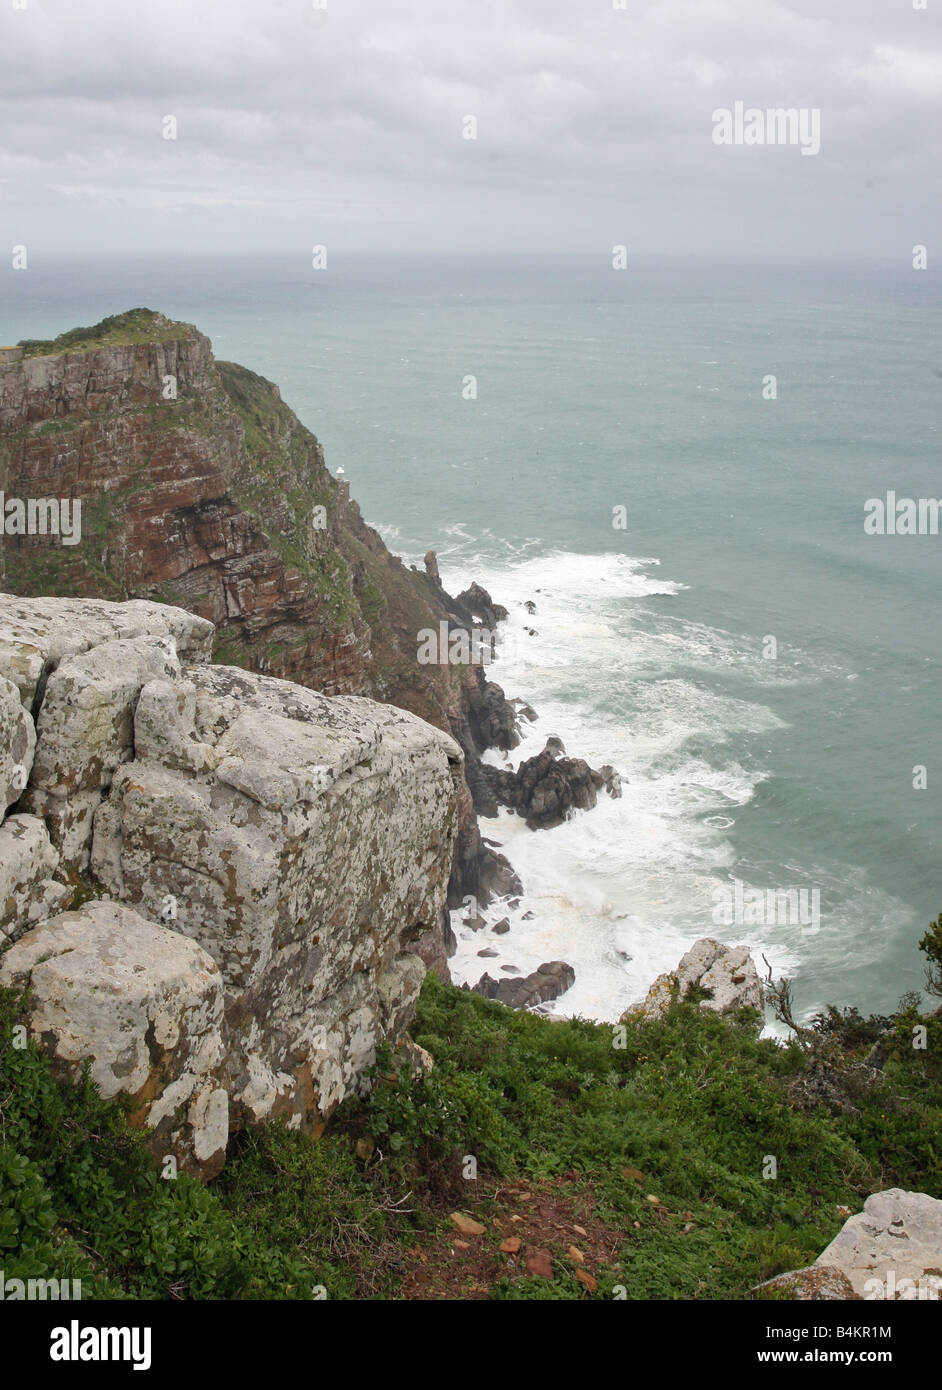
column 475, row 604
column 548, row 981
column 277, row 863
column 492, row 718
column 727, row 974
column 546, row 788
column 200, row 487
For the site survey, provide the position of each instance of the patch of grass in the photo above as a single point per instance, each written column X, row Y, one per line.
column 80, row 1198
column 664, row 1133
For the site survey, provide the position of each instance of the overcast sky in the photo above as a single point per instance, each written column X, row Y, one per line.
column 594, row 125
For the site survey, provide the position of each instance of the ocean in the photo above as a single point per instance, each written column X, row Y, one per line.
column 616, row 461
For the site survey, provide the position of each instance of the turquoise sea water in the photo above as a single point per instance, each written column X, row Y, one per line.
column 598, row 389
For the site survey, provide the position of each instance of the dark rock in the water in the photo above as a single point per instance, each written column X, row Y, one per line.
column 531, row 631
column 481, row 802
column 546, row 788
column 511, row 969
column 611, row 780
column 502, row 927
column 530, row 606
column 528, row 917
column 548, row 981
column 524, row 710
column 492, row 844
column 431, row 566
column 555, row 746
column 492, row 717
column 497, row 878
column 478, row 605
column 488, row 951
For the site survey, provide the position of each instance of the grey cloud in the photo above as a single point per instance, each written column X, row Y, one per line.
column 594, row 125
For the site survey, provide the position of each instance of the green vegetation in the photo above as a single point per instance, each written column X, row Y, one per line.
column 283, row 482
column 686, row 1112
column 119, row 330
column 80, row 1198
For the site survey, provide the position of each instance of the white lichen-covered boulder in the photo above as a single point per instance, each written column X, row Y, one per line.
column 892, row 1249
column 17, row 744
column 277, row 863
column 36, row 634
column 305, row 842
column 727, row 973
column 85, row 730
column 28, row 892
column 145, row 1006
column 78, row 666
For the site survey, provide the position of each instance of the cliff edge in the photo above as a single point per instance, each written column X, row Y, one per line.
column 223, row 890
column 201, row 489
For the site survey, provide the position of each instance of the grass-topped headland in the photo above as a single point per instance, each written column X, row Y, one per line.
column 119, row 330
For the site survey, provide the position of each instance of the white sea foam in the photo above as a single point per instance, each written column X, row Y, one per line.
column 622, row 891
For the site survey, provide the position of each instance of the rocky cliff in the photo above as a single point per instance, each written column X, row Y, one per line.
column 201, row 489
column 222, row 889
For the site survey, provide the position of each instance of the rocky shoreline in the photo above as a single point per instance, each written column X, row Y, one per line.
column 544, row 791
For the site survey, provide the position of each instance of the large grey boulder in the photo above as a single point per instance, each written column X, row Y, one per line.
column 145, row 1007
column 893, row 1248
column 296, row 847
column 305, row 843
column 727, row 973
column 85, row 730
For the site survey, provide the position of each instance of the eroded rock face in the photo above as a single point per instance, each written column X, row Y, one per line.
column 892, row 1249
column 36, row 634
column 726, row 972
column 293, row 847
column 85, row 729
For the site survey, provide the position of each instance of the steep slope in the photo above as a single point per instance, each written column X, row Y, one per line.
column 201, row 488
